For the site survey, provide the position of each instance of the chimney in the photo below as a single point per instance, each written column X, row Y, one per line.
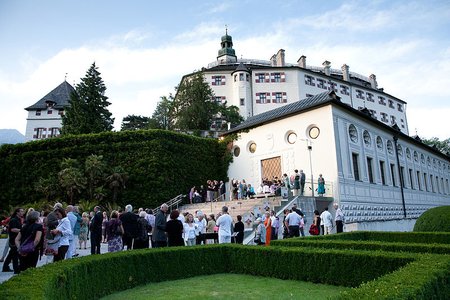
column 345, row 72
column 273, row 60
column 302, row 62
column 373, row 81
column 280, row 58
column 327, row 67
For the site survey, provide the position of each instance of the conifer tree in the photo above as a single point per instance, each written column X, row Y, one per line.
column 88, row 111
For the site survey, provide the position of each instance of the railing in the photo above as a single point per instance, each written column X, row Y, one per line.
column 171, row 203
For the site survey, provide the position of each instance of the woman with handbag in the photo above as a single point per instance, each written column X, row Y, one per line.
column 114, row 232
column 29, row 241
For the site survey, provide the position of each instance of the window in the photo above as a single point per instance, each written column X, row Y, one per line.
column 416, row 156
column 218, row 80
column 411, row 182
column 321, row 83
column 393, row 119
column 235, row 77
column 432, row 183
column 38, row 113
column 279, row 97
column 345, row 90
column 373, row 113
column 381, row 100
column 242, row 102
column 262, row 98
column 408, row 154
column 391, row 103
column 309, row 80
column 219, row 99
column 400, row 151
column 438, row 187
column 247, row 77
column 402, row 176
column 393, row 175
column 370, row 169
column 260, row 77
column 418, row 180
column 53, row 132
column 277, row 77
column 49, row 112
column 360, row 94
column 400, row 107
column 292, row 137
column 370, row 97
column 384, row 117
column 355, row 159
column 353, row 133
column 425, row 183
column 332, row 86
column 236, row 151
column 382, row 172
column 39, row 133
column 252, row 147
column 241, row 76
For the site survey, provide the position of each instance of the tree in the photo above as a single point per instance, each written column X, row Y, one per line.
column 94, row 168
column 88, row 111
column 71, row 178
column 230, row 114
column 133, row 122
column 193, row 106
column 116, row 181
column 443, row 146
column 47, row 186
column 163, row 117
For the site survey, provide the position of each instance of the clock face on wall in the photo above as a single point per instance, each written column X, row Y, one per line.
column 314, row 132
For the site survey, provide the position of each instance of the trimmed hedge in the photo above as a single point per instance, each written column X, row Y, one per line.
column 436, row 219
column 424, row 276
column 364, row 245
column 388, row 236
column 160, row 164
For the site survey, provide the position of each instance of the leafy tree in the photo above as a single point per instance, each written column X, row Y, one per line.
column 47, row 186
column 230, row 114
column 94, row 168
column 116, row 181
column 443, row 146
column 133, row 122
column 71, row 178
column 193, row 106
column 163, row 117
column 88, row 111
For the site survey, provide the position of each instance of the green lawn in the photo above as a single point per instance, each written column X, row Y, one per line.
column 230, row 286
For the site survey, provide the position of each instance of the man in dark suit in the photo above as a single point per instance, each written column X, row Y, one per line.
column 302, row 182
column 96, row 230
column 130, row 226
column 159, row 232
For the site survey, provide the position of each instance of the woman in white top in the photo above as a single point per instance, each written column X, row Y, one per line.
column 190, row 229
column 64, row 230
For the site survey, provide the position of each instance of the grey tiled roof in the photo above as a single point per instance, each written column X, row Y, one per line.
column 60, row 96
column 284, row 111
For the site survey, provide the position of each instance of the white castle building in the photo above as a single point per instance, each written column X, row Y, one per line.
column 330, row 122
column 45, row 116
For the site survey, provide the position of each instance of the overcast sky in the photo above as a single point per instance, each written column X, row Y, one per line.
column 143, row 48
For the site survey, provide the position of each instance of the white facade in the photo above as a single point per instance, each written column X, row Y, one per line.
column 370, row 200
column 43, row 124
column 256, row 86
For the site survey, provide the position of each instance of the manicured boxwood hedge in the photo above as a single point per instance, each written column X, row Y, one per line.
column 364, row 245
column 389, row 236
column 160, row 164
column 400, row 275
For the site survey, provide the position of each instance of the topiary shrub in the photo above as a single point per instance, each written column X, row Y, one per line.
column 434, row 219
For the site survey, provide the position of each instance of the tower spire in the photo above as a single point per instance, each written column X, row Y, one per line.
column 226, row 54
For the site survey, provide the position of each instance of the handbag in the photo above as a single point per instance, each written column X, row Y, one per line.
column 27, row 246
column 313, row 230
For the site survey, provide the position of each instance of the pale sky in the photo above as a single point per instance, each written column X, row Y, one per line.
column 143, row 48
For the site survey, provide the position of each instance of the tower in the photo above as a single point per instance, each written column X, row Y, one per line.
column 226, row 54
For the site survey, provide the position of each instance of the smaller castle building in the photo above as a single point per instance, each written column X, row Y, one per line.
column 45, row 116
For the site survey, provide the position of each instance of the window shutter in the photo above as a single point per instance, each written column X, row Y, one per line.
column 213, row 80
column 223, row 80
column 267, row 77
column 258, row 100
column 272, row 77
column 284, row 97
column 283, row 77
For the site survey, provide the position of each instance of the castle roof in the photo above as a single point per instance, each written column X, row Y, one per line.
column 58, row 98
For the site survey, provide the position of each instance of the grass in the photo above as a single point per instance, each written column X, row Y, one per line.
column 230, row 286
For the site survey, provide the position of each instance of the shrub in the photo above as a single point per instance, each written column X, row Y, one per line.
column 434, row 220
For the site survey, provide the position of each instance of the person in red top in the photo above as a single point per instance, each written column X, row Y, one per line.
column 268, row 225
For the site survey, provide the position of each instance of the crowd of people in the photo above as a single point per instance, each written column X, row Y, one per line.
column 57, row 233
column 213, row 191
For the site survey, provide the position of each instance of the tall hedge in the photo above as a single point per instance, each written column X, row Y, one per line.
column 160, row 164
